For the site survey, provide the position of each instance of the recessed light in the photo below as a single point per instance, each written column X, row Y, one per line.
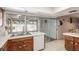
column 72, row 11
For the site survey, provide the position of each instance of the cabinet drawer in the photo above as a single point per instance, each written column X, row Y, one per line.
column 28, row 41
column 69, row 38
column 21, row 44
column 24, row 47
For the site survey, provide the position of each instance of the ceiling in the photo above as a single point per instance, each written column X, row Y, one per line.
column 67, row 12
column 45, row 11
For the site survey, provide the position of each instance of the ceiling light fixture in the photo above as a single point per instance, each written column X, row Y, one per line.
column 72, row 11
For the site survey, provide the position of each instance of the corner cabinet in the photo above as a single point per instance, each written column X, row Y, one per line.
column 71, row 43
column 20, row 44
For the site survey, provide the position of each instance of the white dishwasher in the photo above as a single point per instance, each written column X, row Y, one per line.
column 38, row 41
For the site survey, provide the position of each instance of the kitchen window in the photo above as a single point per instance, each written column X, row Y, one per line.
column 15, row 25
column 18, row 26
column 32, row 25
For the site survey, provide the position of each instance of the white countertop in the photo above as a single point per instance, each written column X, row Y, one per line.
column 20, row 36
column 3, row 39
column 72, row 34
column 32, row 34
column 37, row 33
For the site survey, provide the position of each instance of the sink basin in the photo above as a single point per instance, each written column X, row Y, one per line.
column 21, row 34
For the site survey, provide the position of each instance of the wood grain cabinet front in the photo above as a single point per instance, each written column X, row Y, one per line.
column 76, row 44
column 20, row 44
column 11, row 46
column 69, row 43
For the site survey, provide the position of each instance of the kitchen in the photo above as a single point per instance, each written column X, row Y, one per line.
column 16, row 29
column 26, row 31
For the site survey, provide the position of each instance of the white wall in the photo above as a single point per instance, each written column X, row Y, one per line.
column 2, row 29
column 49, row 28
column 66, row 25
column 43, row 26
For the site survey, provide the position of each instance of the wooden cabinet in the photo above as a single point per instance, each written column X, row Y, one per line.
column 76, row 44
column 20, row 44
column 11, row 45
column 69, row 43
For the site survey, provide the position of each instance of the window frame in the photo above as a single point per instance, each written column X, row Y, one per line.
column 26, row 20
column 36, row 25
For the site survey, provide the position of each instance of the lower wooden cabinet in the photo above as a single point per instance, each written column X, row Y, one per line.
column 20, row 44
column 71, row 43
column 76, row 44
column 11, row 46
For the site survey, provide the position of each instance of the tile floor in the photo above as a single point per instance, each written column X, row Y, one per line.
column 55, row 45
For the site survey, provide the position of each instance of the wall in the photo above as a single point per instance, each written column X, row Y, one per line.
column 48, row 27
column 2, row 29
column 43, row 26
column 2, row 32
column 66, row 26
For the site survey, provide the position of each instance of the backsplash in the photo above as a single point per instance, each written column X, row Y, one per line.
column 67, row 26
column 76, row 23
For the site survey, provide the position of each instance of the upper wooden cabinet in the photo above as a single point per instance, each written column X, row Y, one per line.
column 20, row 44
column 71, row 43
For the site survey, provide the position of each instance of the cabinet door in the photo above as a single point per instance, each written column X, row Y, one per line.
column 20, row 44
column 11, row 45
column 24, row 45
column 28, row 45
column 76, row 45
column 69, row 43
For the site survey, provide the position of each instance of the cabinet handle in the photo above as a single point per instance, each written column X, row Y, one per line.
column 71, row 42
column 24, row 45
column 20, row 46
column 76, row 44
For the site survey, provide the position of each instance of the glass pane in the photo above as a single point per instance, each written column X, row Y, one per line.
column 32, row 26
column 16, row 23
column 18, row 26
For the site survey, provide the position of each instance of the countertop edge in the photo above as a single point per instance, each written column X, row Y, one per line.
column 72, row 34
